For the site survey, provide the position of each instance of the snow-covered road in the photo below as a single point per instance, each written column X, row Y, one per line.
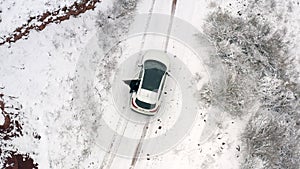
column 131, row 140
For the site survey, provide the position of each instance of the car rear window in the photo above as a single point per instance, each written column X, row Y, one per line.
column 154, row 71
column 144, row 105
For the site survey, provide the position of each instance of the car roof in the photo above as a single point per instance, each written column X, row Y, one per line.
column 153, row 74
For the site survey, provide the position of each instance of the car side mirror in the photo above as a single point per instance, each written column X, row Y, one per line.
column 140, row 65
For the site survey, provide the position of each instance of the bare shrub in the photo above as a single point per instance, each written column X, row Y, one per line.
column 273, row 139
column 259, row 68
column 115, row 21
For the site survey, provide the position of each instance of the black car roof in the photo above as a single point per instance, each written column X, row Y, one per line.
column 153, row 74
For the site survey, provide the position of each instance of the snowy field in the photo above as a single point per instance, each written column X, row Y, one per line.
column 231, row 99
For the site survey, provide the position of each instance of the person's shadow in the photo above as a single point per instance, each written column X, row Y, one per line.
column 133, row 84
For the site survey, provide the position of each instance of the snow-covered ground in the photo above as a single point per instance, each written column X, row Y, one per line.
column 69, row 79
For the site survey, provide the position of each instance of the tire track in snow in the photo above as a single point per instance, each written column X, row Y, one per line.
column 174, row 2
column 147, row 25
column 145, row 31
column 139, row 146
column 110, row 155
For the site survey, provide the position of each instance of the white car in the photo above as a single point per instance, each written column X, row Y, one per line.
column 146, row 100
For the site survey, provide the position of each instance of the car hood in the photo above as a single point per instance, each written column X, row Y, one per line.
column 147, row 96
column 158, row 56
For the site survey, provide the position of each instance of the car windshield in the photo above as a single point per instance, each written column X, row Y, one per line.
column 154, row 71
column 144, row 105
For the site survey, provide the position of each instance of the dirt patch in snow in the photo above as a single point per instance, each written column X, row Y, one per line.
column 18, row 161
column 10, row 129
column 40, row 22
